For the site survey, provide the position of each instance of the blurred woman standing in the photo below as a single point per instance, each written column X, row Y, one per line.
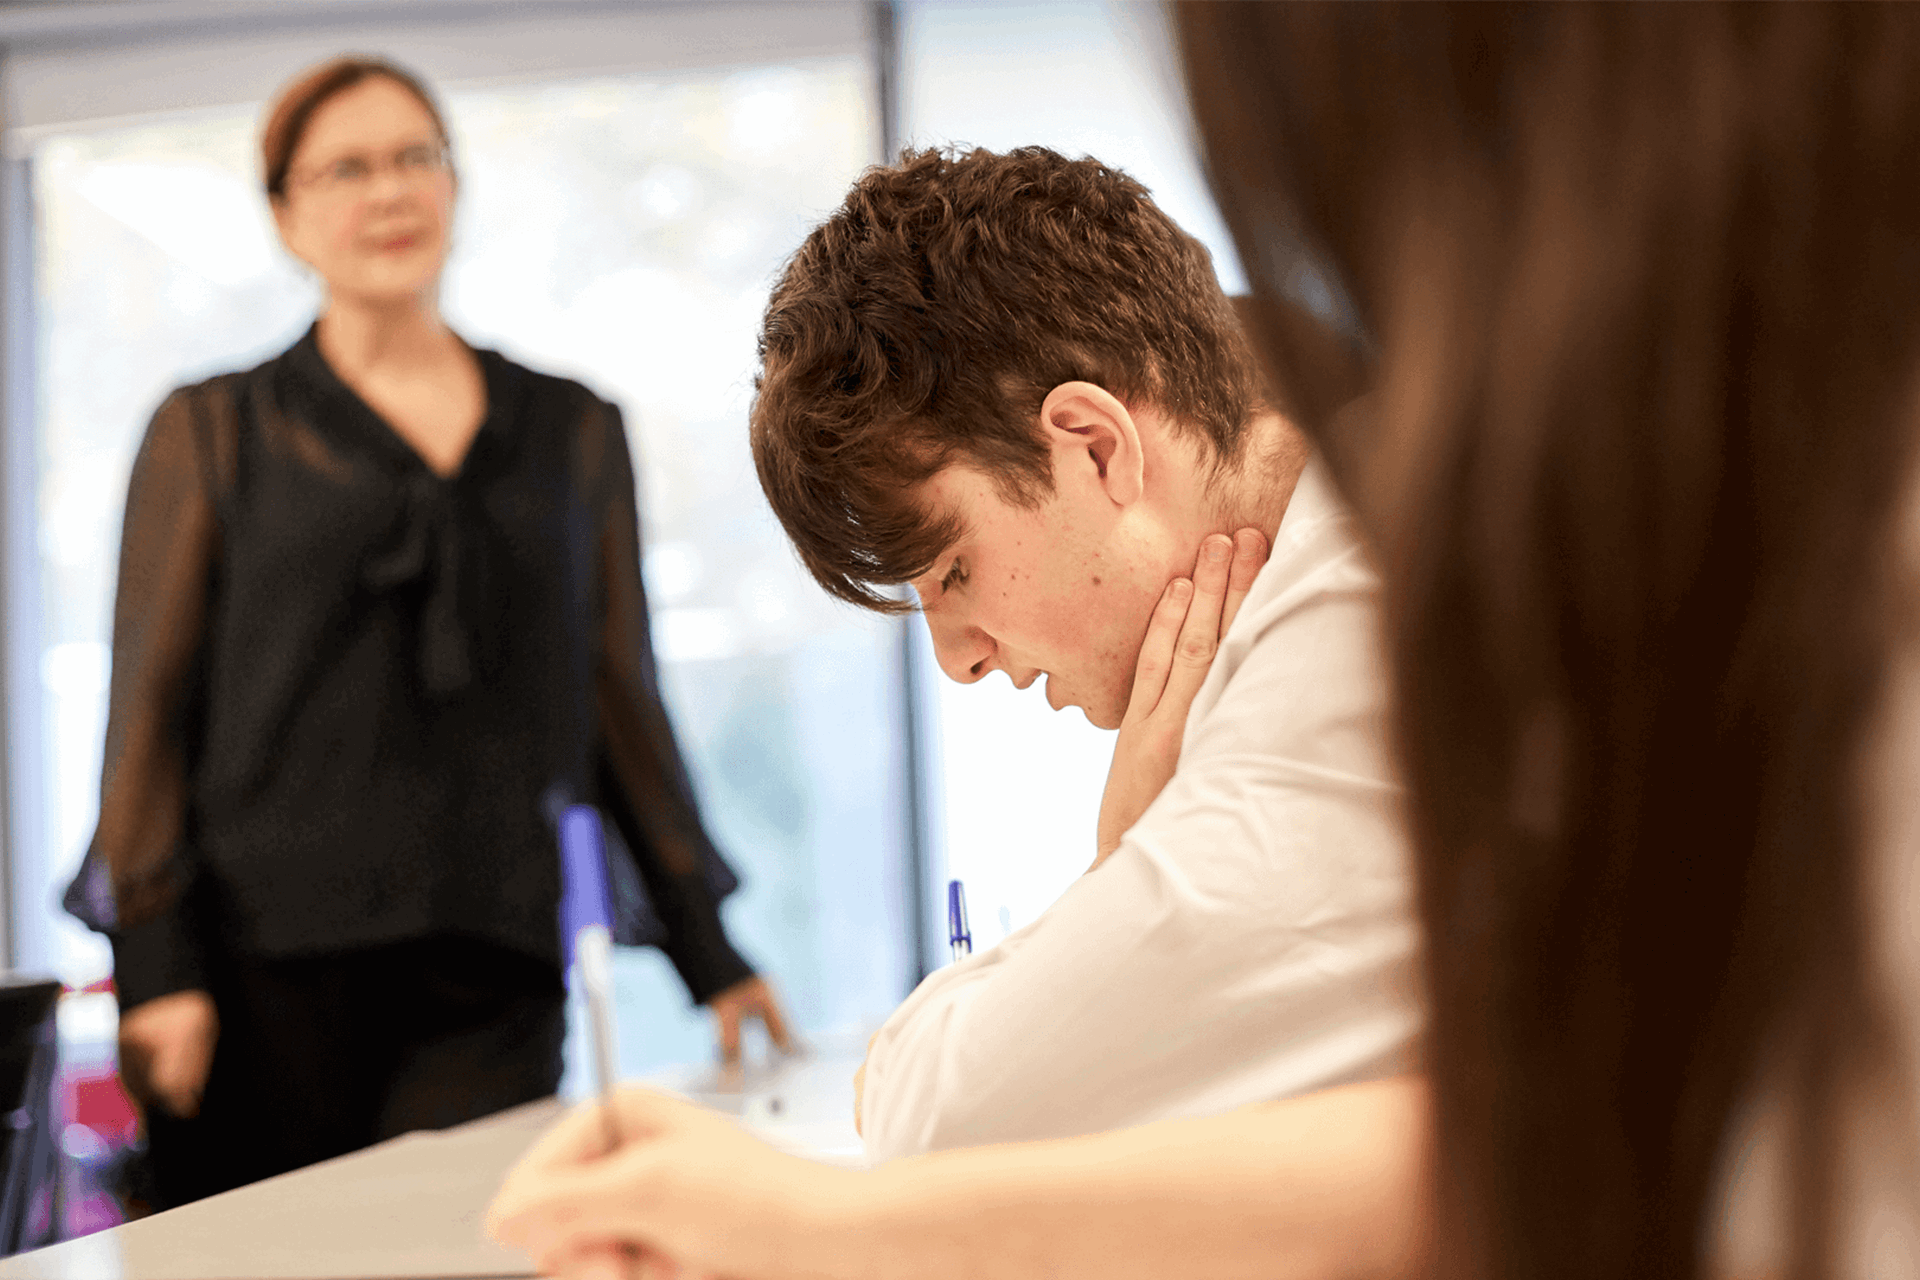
column 379, row 614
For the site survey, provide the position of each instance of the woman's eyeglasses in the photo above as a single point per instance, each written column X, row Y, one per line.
column 353, row 175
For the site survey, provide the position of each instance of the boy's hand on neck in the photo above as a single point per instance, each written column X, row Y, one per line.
column 1182, row 638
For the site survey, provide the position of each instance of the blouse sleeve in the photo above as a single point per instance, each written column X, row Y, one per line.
column 142, row 877
column 645, row 787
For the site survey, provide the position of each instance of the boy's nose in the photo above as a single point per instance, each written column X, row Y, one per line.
column 965, row 653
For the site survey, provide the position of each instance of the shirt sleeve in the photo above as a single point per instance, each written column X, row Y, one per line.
column 168, row 545
column 162, row 955
column 1250, row 939
column 645, row 785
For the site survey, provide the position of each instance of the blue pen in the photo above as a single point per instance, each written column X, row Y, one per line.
column 588, row 910
column 958, row 937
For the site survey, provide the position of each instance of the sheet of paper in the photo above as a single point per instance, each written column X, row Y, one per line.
column 802, row 1105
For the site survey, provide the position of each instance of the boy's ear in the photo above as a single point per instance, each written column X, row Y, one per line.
column 1095, row 437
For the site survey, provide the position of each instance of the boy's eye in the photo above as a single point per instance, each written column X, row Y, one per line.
column 956, row 574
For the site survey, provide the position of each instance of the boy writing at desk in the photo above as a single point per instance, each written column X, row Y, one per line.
column 1013, row 382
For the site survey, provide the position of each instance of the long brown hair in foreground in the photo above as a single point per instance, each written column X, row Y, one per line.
column 1642, row 287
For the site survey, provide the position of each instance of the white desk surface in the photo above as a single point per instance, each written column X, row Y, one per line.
column 411, row 1208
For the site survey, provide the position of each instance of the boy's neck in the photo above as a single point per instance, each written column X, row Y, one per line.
column 1255, row 492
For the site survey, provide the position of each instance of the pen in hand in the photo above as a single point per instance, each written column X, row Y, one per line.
column 584, row 858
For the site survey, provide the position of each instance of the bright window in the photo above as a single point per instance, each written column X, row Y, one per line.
column 621, row 229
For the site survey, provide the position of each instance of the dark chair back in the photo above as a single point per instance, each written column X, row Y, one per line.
column 29, row 1154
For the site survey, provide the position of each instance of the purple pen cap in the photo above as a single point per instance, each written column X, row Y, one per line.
column 584, row 895
column 957, row 930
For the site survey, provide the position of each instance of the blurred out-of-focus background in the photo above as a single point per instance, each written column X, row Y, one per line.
column 631, row 178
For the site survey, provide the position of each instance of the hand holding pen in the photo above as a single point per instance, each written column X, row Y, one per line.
column 690, row 1189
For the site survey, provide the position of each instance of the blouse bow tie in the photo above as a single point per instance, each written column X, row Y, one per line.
column 442, row 547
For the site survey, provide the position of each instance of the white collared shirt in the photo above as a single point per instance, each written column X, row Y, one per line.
column 1252, row 938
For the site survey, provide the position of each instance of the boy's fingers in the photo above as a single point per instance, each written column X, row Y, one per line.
column 595, row 1262
column 1249, row 557
column 1200, row 633
column 1156, row 651
column 613, row 1200
column 556, row 1207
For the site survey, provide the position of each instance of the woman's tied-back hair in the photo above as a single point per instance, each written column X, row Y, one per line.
column 924, row 323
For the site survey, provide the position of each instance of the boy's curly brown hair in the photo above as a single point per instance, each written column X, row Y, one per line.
column 924, row 323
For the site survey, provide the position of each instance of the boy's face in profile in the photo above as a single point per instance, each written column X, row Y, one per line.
column 1063, row 590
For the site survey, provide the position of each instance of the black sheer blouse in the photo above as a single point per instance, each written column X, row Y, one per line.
column 348, row 694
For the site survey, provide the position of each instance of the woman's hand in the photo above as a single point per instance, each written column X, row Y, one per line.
column 687, row 1194
column 748, row 998
column 1182, row 638
column 166, row 1050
